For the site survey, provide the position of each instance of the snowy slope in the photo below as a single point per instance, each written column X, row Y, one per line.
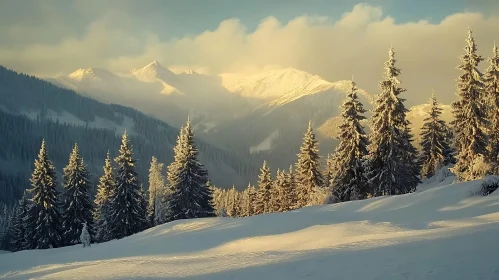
column 439, row 233
column 269, row 84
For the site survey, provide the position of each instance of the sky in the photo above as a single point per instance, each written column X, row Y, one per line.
column 334, row 39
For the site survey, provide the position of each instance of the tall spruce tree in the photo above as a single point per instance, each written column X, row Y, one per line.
column 470, row 114
column 191, row 195
column 434, row 144
column 18, row 227
column 46, row 218
column 101, row 214
column 308, row 174
column 350, row 180
column 491, row 83
column 126, row 213
column 156, row 188
column 390, row 150
column 264, row 192
column 77, row 207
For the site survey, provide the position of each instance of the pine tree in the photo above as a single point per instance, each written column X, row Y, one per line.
column 491, row 84
column 102, row 215
column 156, row 187
column 350, row 180
column 46, row 218
column 330, row 171
column 292, row 194
column 277, row 192
column 308, row 175
column 18, row 227
column 77, row 205
column 470, row 114
column 126, row 213
column 433, row 141
column 390, row 149
column 85, row 236
column 231, row 207
column 264, row 193
column 144, row 204
column 191, row 195
column 7, row 218
column 284, row 193
column 29, row 222
column 251, row 196
column 410, row 163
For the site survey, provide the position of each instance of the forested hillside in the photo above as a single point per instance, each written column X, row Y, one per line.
column 33, row 109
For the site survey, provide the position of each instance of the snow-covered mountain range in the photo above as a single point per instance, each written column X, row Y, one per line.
column 262, row 113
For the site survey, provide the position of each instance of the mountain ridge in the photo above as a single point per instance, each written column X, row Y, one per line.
column 33, row 109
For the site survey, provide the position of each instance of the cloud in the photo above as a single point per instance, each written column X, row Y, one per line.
column 355, row 44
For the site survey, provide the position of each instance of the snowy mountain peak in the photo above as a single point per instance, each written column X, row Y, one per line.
column 192, row 72
column 91, row 74
column 153, row 72
column 270, row 83
column 424, row 109
column 154, row 64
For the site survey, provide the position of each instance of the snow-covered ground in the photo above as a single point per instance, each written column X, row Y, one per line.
column 441, row 232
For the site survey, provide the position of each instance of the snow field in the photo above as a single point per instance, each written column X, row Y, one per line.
column 439, row 232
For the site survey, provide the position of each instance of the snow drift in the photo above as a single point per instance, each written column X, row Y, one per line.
column 443, row 231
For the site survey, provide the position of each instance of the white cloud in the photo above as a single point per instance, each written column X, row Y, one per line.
column 356, row 44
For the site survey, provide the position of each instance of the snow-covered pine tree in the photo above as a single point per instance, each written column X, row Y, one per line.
column 47, row 220
column 144, row 203
column 231, row 207
column 308, row 175
column 77, row 207
column 102, row 201
column 238, row 201
column 264, row 193
column 389, row 147
column 491, row 83
column 156, row 187
column 125, row 209
column 350, row 179
column 470, row 114
column 29, row 221
column 433, row 141
column 284, row 192
column 251, row 197
column 191, row 195
column 18, row 227
column 278, row 191
column 85, row 236
column 330, row 171
column 292, row 193
column 409, row 159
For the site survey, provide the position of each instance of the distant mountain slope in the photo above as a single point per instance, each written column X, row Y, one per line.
column 32, row 109
column 259, row 115
column 274, row 130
